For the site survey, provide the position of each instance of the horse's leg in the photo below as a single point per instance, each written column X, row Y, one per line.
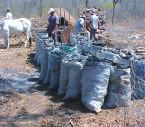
column 5, row 43
column 26, row 43
column 6, row 40
column 29, row 38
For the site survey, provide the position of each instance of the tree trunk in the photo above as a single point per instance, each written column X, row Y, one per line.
column 9, row 4
column 41, row 8
column 134, row 8
column 86, row 3
column 113, row 13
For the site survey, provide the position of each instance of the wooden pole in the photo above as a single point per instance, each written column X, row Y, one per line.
column 69, row 16
column 60, row 18
column 60, row 12
column 76, row 8
column 114, row 6
column 64, row 18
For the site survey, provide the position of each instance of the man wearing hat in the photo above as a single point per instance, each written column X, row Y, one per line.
column 53, row 22
column 80, row 23
column 94, row 25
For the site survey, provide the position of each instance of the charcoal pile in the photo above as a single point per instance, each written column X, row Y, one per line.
column 101, row 77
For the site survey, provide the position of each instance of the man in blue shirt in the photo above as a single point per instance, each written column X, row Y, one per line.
column 53, row 22
column 80, row 24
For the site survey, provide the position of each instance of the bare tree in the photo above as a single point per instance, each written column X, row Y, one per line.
column 134, row 8
column 9, row 4
column 86, row 3
column 114, row 6
column 41, row 8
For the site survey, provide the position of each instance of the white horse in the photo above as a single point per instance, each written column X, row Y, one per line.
column 16, row 26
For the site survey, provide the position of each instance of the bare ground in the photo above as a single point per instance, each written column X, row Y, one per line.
column 42, row 108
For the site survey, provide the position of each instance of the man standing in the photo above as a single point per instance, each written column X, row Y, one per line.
column 53, row 23
column 94, row 25
column 80, row 24
column 8, row 15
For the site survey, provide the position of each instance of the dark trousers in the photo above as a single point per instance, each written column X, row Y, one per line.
column 92, row 34
column 51, row 35
column 55, row 37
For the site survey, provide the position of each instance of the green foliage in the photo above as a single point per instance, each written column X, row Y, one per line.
column 123, row 9
column 45, row 10
column 108, row 6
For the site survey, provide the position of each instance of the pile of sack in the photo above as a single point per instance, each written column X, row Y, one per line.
column 101, row 77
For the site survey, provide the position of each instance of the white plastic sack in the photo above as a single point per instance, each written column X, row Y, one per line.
column 74, row 84
column 54, row 53
column 38, row 62
column 94, row 81
column 55, row 73
column 119, row 90
column 44, row 64
column 39, row 41
column 63, row 78
column 38, row 44
column 49, row 69
column 138, row 78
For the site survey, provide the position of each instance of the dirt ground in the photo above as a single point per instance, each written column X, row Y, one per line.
column 38, row 107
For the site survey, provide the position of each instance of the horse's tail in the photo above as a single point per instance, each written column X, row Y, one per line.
column 30, row 37
column 30, row 41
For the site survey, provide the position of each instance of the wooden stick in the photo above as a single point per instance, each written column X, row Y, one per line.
column 60, row 17
column 60, row 12
column 64, row 18
column 69, row 16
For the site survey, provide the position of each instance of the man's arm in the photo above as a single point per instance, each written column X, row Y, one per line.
column 82, row 21
column 57, row 23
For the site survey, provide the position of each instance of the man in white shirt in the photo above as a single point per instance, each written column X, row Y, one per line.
column 8, row 15
column 94, row 25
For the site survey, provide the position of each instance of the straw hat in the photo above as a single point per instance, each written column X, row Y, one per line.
column 51, row 10
column 82, row 16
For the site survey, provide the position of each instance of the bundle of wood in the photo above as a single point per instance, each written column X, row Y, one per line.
column 140, row 51
column 39, row 22
column 100, row 13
